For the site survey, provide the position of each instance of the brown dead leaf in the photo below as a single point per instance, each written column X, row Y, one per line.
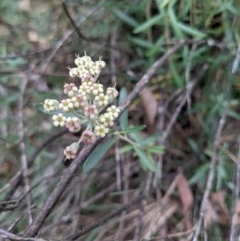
column 186, row 197
column 218, row 202
column 149, row 105
column 6, row 169
column 216, row 211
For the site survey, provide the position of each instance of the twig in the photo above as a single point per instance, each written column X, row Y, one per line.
column 118, row 166
column 185, row 98
column 16, row 180
column 76, row 28
column 68, row 174
column 101, row 194
column 7, row 235
column 65, row 37
column 106, row 218
column 149, row 74
column 236, row 62
column 210, row 177
column 22, row 146
column 233, row 233
column 53, row 198
column 113, row 68
column 188, row 73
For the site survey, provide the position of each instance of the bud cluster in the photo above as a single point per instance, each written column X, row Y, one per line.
column 84, row 104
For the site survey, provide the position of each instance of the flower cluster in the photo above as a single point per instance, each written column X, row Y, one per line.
column 84, row 105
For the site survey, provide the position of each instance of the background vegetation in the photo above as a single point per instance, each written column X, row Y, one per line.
column 176, row 179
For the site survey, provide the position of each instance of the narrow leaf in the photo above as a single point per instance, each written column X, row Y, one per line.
column 156, row 149
column 124, row 117
column 141, row 42
column 97, row 154
column 132, row 129
column 125, row 18
column 190, row 30
column 125, row 149
column 145, row 160
column 149, row 23
column 151, row 139
column 174, row 23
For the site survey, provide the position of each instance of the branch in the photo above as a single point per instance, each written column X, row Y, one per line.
column 7, row 235
column 17, row 179
column 149, row 74
column 234, row 224
column 186, row 95
column 76, row 28
column 22, row 146
column 106, row 218
column 210, row 177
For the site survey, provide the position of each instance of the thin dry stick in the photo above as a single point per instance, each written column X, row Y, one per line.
column 76, row 28
column 53, row 198
column 68, row 174
column 189, row 88
column 65, row 37
column 149, row 74
column 126, row 174
column 118, row 167
column 236, row 61
column 106, row 218
column 9, row 236
column 210, row 177
column 233, row 233
column 22, row 147
column 113, row 67
column 16, row 180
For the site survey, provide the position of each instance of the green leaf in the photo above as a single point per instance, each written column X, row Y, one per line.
column 137, row 138
column 132, row 129
column 145, row 159
column 164, row 3
column 141, row 42
column 177, row 78
column 125, row 17
column 97, row 154
column 16, row 62
column 150, row 22
column 156, row 149
column 157, row 47
column 174, row 23
column 13, row 139
column 199, row 174
column 151, row 139
column 125, row 149
column 233, row 114
column 190, row 30
column 124, row 117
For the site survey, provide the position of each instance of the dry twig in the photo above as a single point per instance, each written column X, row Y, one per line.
column 22, row 145
column 233, row 232
column 7, row 235
column 16, row 180
column 210, row 177
column 106, row 218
